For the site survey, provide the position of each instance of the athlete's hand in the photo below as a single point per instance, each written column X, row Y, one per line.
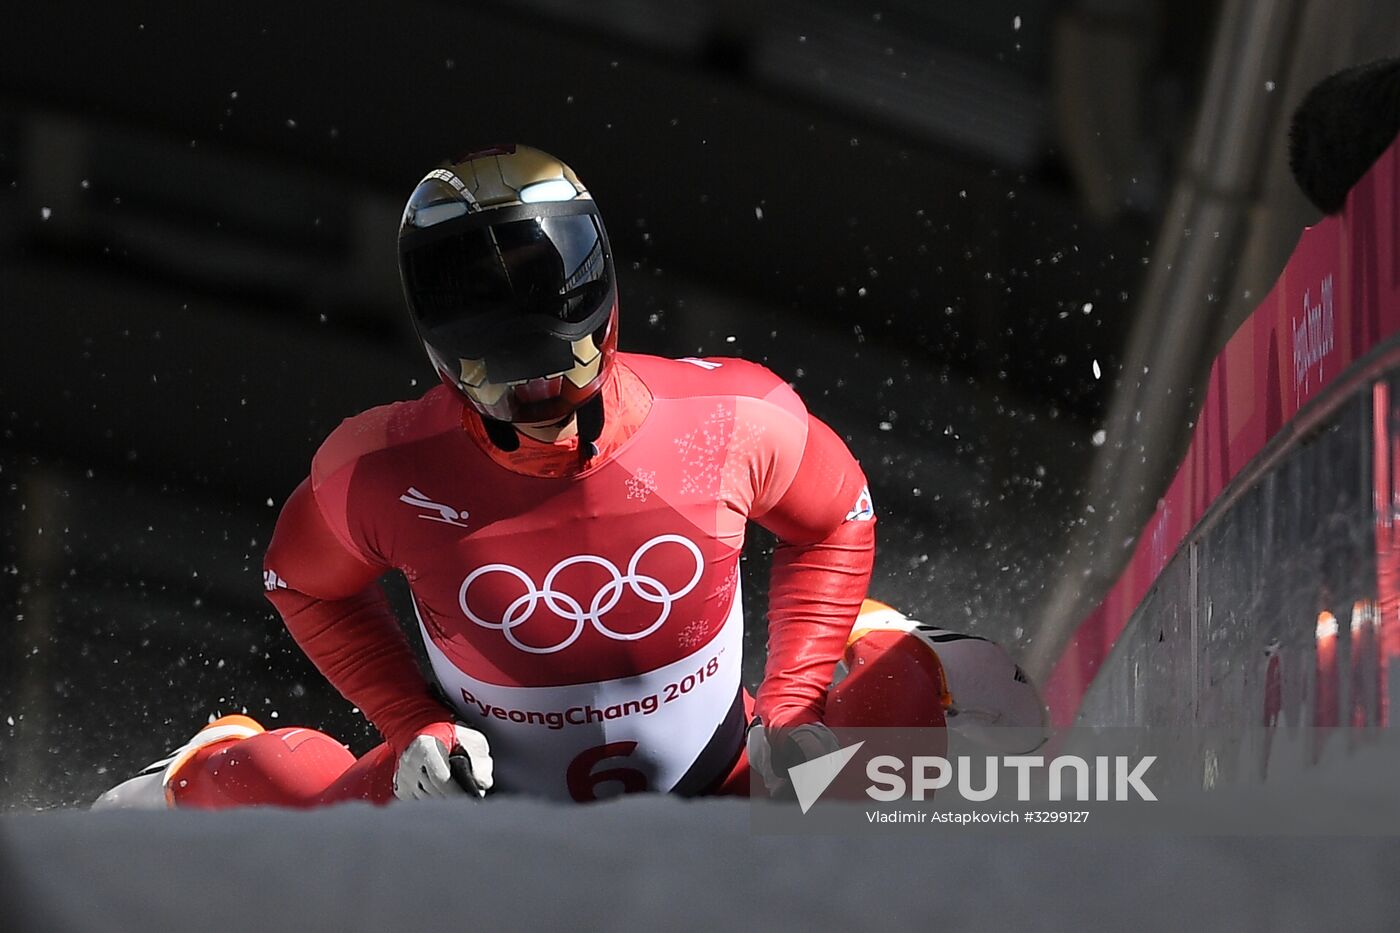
column 424, row 771
column 773, row 751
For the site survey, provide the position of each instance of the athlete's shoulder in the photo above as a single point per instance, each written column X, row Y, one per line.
column 708, row 376
column 384, row 428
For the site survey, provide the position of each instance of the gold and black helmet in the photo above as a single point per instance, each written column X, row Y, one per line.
column 509, row 280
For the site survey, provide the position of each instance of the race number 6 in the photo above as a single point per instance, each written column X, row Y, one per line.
column 583, row 781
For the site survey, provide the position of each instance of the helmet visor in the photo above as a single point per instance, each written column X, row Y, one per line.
column 556, row 266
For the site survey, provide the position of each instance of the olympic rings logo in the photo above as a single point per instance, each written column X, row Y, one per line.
column 569, row 609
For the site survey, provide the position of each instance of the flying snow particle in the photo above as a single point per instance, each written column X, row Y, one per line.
column 45, row 213
column 1100, row 436
column 1269, row 87
column 758, row 212
column 1098, row 374
column 886, row 426
column 1016, row 24
column 1088, row 307
column 269, row 502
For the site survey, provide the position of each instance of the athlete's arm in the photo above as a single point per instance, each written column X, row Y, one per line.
column 821, row 569
column 332, row 604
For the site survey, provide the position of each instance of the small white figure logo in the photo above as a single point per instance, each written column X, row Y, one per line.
column 445, row 513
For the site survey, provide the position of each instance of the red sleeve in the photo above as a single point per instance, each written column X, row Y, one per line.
column 333, row 606
column 821, row 570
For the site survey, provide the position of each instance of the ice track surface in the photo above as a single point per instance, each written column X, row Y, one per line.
column 653, row 862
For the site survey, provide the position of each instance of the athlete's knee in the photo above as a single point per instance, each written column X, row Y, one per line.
column 887, row 677
column 285, row 767
column 900, row 672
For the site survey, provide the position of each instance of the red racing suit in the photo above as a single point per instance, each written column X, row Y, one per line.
column 584, row 615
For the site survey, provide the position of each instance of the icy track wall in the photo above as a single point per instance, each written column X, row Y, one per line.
column 1265, row 589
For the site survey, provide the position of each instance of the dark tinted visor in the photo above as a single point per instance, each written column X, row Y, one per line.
column 552, row 265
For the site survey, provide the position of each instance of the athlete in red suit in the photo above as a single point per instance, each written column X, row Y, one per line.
column 570, row 529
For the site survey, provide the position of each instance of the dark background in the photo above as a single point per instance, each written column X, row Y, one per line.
column 939, row 220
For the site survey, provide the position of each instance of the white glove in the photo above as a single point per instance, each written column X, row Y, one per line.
column 795, row 745
column 423, row 772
